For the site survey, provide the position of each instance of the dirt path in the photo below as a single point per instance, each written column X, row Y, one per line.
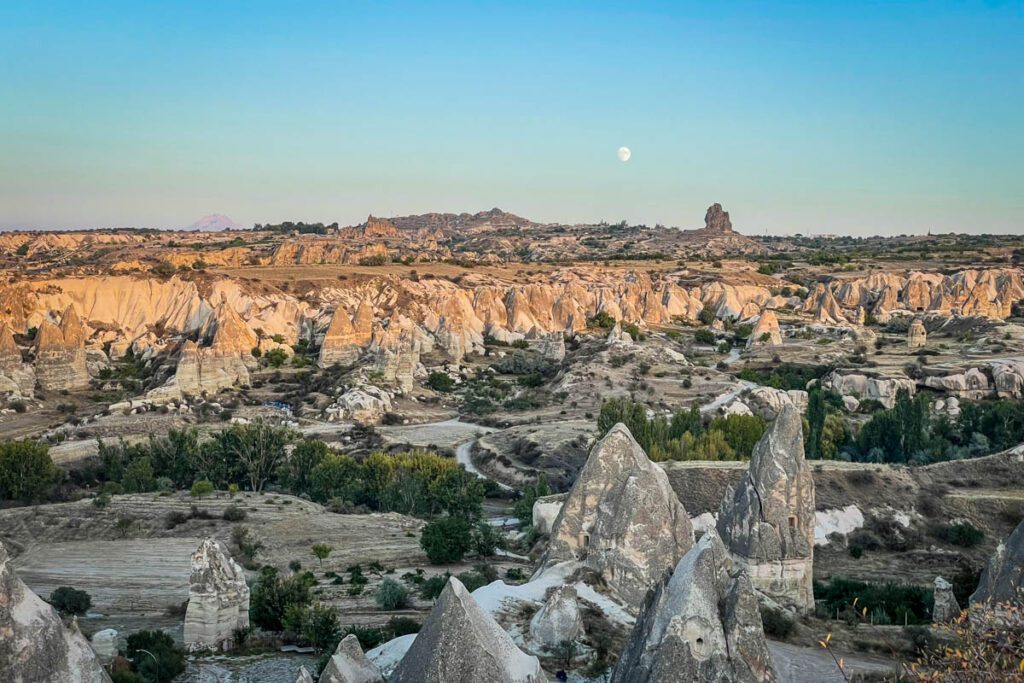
column 799, row 664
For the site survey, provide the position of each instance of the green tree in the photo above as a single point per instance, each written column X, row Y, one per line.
column 258, row 448
column 815, row 423
column 321, row 551
column 67, row 600
column 741, row 432
column 440, row 381
column 276, row 357
column 392, row 595
column 154, row 656
column 27, row 472
column 447, row 539
column 138, row 476
column 295, row 472
column 202, row 488
column 320, row 627
column 271, row 596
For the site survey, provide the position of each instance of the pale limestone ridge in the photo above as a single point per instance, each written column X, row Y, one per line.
column 701, row 623
column 1002, row 579
column 218, row 599
column 461, row 642
column 621, row 519
column 349, row 664
column 767, row 521
column 35, row 646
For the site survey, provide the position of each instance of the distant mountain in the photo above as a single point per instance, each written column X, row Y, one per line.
column 215, row 222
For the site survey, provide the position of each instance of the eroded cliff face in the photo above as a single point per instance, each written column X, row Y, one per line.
column 34, row 643
column 60, row 354
column 218, row 599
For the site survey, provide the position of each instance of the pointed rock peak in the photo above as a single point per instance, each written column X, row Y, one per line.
column 1002, row 580
column 7, row 345
column 781, row 447
column 71, row 327
column 461, row 642
column 348, row 664
column 341, row 324
column 49, row 337
column 304, row 676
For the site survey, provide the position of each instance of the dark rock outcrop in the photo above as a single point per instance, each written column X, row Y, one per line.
column 717, row 220
column 1002, row 579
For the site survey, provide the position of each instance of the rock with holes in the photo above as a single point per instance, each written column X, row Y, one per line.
column 218, row 599
column 767, row 520
column 701, row 623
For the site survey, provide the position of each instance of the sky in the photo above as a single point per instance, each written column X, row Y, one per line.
column 819, row 117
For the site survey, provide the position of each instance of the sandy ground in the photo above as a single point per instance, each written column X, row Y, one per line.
column 447, row 434
column 799, row 664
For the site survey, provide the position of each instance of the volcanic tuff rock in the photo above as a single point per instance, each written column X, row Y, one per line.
column 34, row 644
column 767, row 521
column 1003, row 578
column 700, row 624
column 917, row 335
column 621, row 519
column 218, row 599
column 881, row 389
column 766, row 332
column 716, row 219
column 16, row 378
column 946, row 607
column 558, row 619
column 341, row 343
column 365, row 405
column 348, row 664
column 767, row 402
column 461, row 642
column 303, row 676
column 104, row 644
column 60, row 354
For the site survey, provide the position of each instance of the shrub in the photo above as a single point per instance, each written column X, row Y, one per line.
column 67, row 600
column 447, row 539
column 233, row 513
column 440, row 381
column 26, row 471
column 432, row 587
column 202, row 488
column 777, row 623
column 392, row 595
column 963, row 534
column 403, row 626
column 704, row 337
column 154, row 656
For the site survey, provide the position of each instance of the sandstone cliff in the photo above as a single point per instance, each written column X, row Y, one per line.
column 60, row 354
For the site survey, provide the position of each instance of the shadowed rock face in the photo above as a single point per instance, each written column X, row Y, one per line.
column 946, row 607
column 16, row 378
column 34, row 644
column 621, row 519
column 1003, row 577
column 767, row 522
column 716, row 219
column 700, row 624
column 218, row 599
column 348, row 664
column 461, row 642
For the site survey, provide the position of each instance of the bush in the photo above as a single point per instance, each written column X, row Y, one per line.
column 233, row 513
column 392, row 595
column 272, row 595
column 202, row 488
column 898, row 602
column 963, row 534
column 440, row 381
column 432, row 587
column 403, row 626
column 27, row 472
column 704, row 337
column 447, row 539
column 777, row 624
column 67, row 600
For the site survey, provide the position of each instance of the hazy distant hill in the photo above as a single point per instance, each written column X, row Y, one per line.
column 215, row 222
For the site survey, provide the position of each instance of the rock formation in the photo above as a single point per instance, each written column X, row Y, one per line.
column 766, row 331
column 552, row 346
column 60, row 354
column 34, row 643
column 946, row 607
column 17, row 379
column 304, row 676
column 700, row 624
column 545, row 512
column 717, row 220
column 917, row 335
column 348, row 664
column 340, row 344
column 365, row 405
column 881, row 389
column 397, row 362
column 218, row 599
column 621, row 519
column 461, row 642
column 767, row 521
column 104, row 644
column 558, row 619
column 1002, row 579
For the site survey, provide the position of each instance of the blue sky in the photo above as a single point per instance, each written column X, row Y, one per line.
column 818, row 117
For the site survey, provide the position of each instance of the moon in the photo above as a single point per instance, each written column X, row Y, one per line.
column 624, row 154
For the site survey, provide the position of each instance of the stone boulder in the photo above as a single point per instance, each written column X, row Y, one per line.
column 767, row 402
column 1002, row 579
column 104, row 644
column 365, row 405
column 34, row 643
column 917, row 335
column 348, row 664
column 218, row 599
column 767, row 520
column 545, row 512
column 60, row 354
column 461, row 642
column 558, row 619
column 621, row 519
column 701, row 623
column 946, row 607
